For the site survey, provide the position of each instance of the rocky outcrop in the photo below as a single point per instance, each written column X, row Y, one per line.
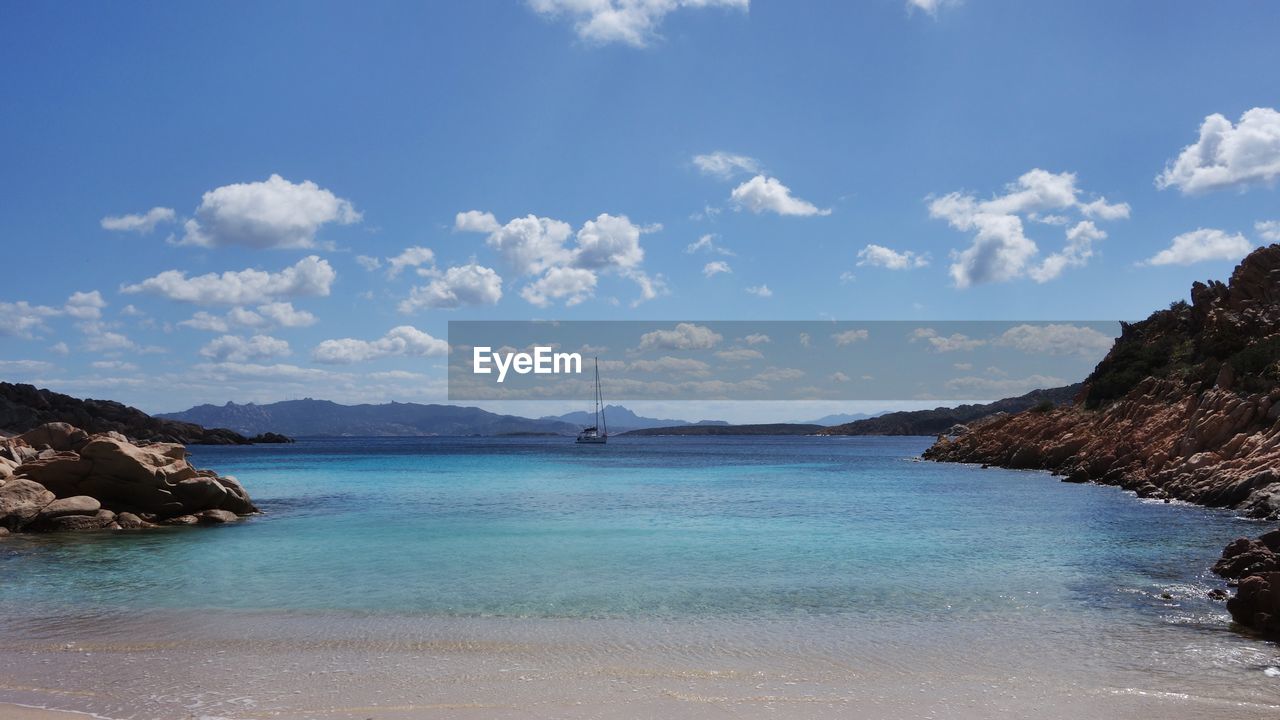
column 1185, row 406
column 59, row 477
column 1254, row 567
column 23, row 407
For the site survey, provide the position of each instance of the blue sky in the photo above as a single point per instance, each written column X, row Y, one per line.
column 858, row 160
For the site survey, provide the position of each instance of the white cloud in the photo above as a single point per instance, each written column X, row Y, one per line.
column 60, row 348
column 469, row 284
column 849, row 337
column 574, row 285
column 118, row 365
column 85, row 305
column 24, row 320
column 767, row 194
column 739, row 354
column 1078, row 250
column 762, row 291
column 685, row 336
column 880, row 256
column 476, row 221
column 143, row 223
column 757, row 339
column 1268, row 230
column 707, row 244
column 725, row 165
column 1227, row 155
column 1202, row 245
column 535, row 246
column 411, row 257
column 310, row 276
column 929, row 7
column 946, row 343
column 25, row 367
column 402, row 341
column 230, row 348
column 1056, row 339
column 672, row 365
column 274, row 213
column 716, row 267
column 1000, row 249
column 631, row 22
column 368, row 262
column 99, row 339
column 284, row 314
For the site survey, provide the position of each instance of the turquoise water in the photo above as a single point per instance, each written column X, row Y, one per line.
column 643, row 527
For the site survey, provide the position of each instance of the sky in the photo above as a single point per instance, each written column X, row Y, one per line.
column 243, row 201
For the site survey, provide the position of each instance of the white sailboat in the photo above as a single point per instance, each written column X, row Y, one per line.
column 597, row 434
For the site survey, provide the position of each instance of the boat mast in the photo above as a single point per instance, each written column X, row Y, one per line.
column 601, row 422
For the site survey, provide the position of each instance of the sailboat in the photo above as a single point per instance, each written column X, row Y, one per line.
column 597, row 434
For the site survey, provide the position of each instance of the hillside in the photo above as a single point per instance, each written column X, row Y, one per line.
column 717, row 429
column 324, row 418
column 939, row 420
column 23, row 407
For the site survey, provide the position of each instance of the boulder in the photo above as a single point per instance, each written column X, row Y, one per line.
column 58, row 435
column 21, row 501
column 100, row 520
column 129, row 521
column 181, row 520
column 217, row 517
column 1256, row 604
column 78, row 505
column 61, row 472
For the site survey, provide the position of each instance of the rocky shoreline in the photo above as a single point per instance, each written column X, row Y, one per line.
column 1185, row 406
column 58, row 477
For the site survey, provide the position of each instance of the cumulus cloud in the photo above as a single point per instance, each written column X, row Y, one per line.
column 1228, row 155
column 274, row 213
column 368, row 262
column 142, row 224
column 1202, row 245
column 757, row 339
column 630, row 22
column 1076, row 253
column 230, row 348
column 310, row 276
column 761, row 291
column 684, row 336
column 411, row 257
column 725, row 165
column 739, row 354
column 476, row 221
column 573, row 285
column 24, row 320
column 1268, row 230
column 716, row 267
column 955, row 342
column 881, row 256
column 469, row 284
column 534, row 246
column 849, row 337
column 402, row 341
column 707, row 244
column 85, row 305
column 767, row 194
column 25, row 367
column 1056, row 339
column 929, row 7
column 1000, row 249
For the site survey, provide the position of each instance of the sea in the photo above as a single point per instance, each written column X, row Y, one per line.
column 665, row 577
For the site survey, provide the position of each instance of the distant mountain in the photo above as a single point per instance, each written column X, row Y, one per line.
column 939, row 420
column 841, row 418
column 324, row 418
column 727, row 429
column 23, row 407
column 619, row 419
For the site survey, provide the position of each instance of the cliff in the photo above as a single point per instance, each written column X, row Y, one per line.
column 1186, row 404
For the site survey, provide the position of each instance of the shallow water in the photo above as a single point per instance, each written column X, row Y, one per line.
column 665, row 576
